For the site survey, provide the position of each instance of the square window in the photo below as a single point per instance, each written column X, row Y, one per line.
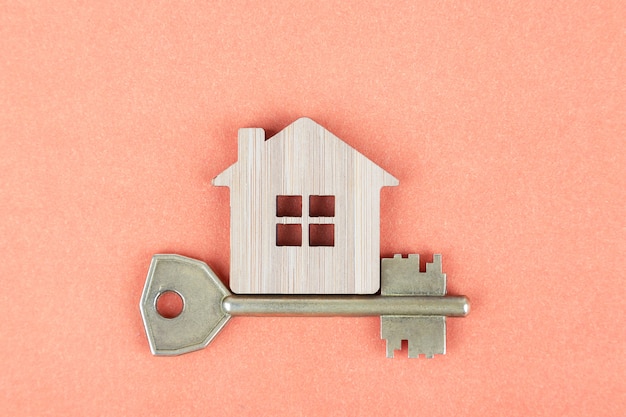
column 322, row 205
column 321, row 235
column 288, row 235
column 289, row 206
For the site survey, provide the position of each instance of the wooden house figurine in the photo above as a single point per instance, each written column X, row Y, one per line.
column 305, row 213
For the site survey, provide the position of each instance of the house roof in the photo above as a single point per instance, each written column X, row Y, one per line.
column 304, row 125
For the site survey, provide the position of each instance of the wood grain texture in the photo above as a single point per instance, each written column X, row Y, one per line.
column 304, row 160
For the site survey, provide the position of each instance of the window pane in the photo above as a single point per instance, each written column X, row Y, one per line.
column 322, row 205
column 288, row 235
column 289, row 206
column 321, row 235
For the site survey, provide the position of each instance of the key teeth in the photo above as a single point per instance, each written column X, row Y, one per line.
column 414, row 352
column 393, row 345
column 402, row 276
column 435, row 265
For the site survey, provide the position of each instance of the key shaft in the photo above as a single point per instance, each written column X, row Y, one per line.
column 360, row 305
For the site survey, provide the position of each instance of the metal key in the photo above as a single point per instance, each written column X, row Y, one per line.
column 412, row 305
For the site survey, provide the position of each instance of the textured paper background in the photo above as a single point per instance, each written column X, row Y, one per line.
column 505, row 124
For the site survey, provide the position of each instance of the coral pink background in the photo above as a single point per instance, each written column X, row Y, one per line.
column 505, row 124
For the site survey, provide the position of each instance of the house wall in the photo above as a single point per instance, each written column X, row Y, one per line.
column 304, row 159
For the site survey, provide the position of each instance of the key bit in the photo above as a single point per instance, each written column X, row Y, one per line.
column 426, row 335
column 402, row 277
column 208, row 305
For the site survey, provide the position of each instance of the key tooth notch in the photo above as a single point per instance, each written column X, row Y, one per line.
column 393, row 345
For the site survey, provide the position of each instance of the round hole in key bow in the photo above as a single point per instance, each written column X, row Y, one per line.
column 169, row 304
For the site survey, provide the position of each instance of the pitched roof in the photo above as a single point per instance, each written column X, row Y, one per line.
column 303, row 125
